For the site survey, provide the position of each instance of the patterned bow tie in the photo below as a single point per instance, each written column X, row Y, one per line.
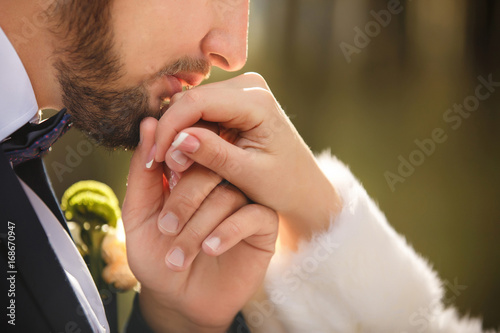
column 34, row 140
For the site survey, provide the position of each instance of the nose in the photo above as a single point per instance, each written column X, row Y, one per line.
column 225, row 45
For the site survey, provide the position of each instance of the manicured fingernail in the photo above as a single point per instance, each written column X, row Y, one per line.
column 213, row 243
column 151, row 157
column 169, row 223
column 186, row 142
column 173, row 179
column 176, row 258
column 179, row 157
column 180, row 139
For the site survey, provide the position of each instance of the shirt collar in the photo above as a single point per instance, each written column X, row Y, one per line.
column 17, row 99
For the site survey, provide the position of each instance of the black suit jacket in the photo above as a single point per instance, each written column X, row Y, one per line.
column 37, row 294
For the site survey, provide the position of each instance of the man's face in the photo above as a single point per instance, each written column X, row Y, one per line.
column 120, row 59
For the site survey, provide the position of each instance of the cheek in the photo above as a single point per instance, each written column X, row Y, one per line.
column 156, row 33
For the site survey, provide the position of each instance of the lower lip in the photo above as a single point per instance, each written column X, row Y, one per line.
column 170, row 86
column 173, row 85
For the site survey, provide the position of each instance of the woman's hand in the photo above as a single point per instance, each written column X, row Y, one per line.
column 262, row 154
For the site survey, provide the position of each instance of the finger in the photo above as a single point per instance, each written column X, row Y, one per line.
column 249, row 79
column 240, row 108
column 173, row 178
column 179, row 162
column 208, row 149
column 220, row 204
column 186, row 198
column 255, row 224
column 145, row 187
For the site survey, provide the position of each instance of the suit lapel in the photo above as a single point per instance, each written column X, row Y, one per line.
column 36, row 263
column 33, row 174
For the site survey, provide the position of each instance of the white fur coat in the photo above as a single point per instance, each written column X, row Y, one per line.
column 359, row 276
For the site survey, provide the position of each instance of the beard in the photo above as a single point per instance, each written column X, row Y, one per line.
column 110, row 117
column 88, row 71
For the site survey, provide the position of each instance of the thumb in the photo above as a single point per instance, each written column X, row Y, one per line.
column 145, row 186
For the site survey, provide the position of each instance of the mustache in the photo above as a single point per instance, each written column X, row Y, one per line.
column 187, row 64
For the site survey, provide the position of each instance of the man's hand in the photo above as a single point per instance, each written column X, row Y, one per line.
column 197, row 277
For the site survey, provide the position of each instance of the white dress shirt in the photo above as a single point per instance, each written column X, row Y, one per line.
column 18, row 106
column 16, row 93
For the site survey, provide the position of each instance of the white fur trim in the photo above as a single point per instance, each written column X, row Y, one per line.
column 359, row 276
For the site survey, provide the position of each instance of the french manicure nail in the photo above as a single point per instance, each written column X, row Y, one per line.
column 176, row 258
column 180, row 139
column 179, row 157
column 189, row 143
column 213, row 243
column 169, row 223
column 151, row 157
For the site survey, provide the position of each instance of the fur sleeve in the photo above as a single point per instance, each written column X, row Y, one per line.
column 359, row 276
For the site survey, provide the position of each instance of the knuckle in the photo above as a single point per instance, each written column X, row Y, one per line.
column 218, row 158
column 270, row 215
column 229, row 195
column 257, row 79
column 266, row 136
column 222, row 193
column 263, row 99
column 234, row 228
column 192, row 234
column 191, row 96
column 270, row 218
column 263, row 213
column 214, row 178
column 264, row 96
column 188, row 203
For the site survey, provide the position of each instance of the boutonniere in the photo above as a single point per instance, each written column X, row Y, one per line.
column 94, row 216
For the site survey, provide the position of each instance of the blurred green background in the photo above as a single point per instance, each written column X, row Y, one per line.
column 370, row 110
